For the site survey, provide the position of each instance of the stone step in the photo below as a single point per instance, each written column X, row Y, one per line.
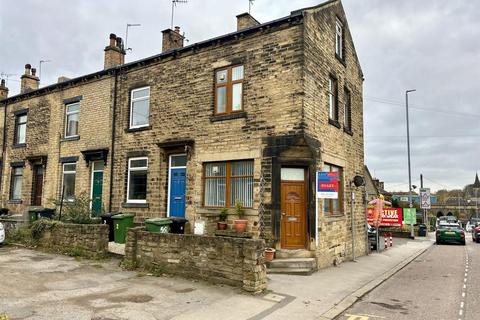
column 302, row 263
column 300, row 253
column 292, row 271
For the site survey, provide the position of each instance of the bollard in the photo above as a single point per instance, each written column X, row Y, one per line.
column 391, row 239
column 385, row 240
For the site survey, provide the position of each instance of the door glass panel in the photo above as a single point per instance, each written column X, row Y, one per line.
column 98, row 166
column 179, row 161
column 293, row 174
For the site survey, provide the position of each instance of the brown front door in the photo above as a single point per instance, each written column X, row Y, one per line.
column 293, row 215
column 37, row 185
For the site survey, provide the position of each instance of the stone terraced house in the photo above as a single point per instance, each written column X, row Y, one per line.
column 249, row 116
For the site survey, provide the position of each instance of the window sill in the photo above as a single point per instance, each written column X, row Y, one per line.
column 18, row 201
column 348, row 131
column 128, row 130
column 229, row 116
column 334, row 217
column 341, row 60
column 334, row 123
column 72, row 138
column 135, row 205
column 19, row 145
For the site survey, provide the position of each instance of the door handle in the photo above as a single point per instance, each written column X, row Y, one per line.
column 283, row 213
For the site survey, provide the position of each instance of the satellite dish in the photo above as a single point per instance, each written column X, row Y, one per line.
column 358, row 181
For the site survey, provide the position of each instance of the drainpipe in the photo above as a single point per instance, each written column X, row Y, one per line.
column 112, row 151
column 4, row 144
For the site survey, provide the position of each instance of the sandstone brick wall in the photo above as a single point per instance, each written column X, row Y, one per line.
column 182, row 106
column 338, row 147
column 90, row 239
column 233, row 261
column 45, row 138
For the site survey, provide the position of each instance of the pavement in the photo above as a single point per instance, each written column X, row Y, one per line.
column 36, row 285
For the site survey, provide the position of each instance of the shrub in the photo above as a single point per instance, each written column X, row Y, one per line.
column 39, row 226
column 223, row 214
column 77, row 211
column 239, row 209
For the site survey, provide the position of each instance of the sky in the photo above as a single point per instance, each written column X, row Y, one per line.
column 430, row 45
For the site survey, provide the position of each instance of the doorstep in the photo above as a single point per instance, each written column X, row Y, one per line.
column 116, row 248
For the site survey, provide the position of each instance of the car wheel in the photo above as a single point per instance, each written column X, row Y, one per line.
column 478, row 240
column 438, row 242
column 464, row 242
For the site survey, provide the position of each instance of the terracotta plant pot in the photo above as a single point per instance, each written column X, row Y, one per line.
column 240, row 225
column 269, row 254
column 222, row 225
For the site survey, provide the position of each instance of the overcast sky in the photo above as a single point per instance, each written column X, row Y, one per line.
column 430, row 45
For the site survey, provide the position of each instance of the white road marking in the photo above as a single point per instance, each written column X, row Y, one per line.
column 462, row 304
column 463, row 294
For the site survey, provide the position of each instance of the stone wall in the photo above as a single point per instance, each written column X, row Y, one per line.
column 84, row 239
column 232, row 261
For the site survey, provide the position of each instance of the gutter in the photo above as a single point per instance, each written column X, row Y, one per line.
column 4, row 142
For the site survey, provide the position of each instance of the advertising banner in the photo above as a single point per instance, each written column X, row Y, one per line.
column 327, row 185
column 406, row 216
column 425, row 202
column 391, row 217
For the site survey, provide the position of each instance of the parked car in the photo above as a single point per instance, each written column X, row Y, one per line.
column 2, row 233
column 372, row 237
column 471, row 224
column 476, row 232
column 450, row 232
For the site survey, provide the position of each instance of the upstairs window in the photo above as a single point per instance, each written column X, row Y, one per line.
column 229, row 90
column 20, row 129
column 137, row 180
column 72, row 112
column 339, row 39
column 333, row 99
column 347, row 118
column 140, row 108
column 16, row 183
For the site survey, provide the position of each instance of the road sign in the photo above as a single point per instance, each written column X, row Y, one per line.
column 327, row 185
column 425, row 202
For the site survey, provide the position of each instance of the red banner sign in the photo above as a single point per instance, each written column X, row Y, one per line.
column 391, row 217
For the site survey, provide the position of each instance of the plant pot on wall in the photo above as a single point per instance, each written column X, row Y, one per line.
column 269, row 254
column 222, row 225
column 240, row 225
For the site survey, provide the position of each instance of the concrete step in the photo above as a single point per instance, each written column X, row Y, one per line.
column 299, row 253
column 291, row 271
column 298, row 266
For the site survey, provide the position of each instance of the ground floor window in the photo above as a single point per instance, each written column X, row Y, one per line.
column 334, row 206
column 228, row 182
column 68, row 186
column 137, row 180
column 16, row 184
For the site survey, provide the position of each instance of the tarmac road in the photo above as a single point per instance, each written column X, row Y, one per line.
column 442, row 283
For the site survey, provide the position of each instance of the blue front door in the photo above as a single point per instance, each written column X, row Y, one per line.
column 177, row 192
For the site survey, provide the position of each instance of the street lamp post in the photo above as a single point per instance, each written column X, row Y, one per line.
column 412, row 234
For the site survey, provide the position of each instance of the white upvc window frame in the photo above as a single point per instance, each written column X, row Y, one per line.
column 63, row 179
column 339, row 39
column 128, row 178
column 132, row 101
column 68, row 113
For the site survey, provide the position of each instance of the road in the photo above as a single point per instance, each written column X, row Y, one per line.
column 442, row 283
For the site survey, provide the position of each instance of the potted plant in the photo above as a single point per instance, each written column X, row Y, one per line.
column 269, row 254
column 240, row 224
column 222, row 223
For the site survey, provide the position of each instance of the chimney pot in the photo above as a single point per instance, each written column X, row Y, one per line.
column 34, row 71
column 177, row 29
column 2, row 83
column 3, row 90
column 27, row 69
column 113, row 39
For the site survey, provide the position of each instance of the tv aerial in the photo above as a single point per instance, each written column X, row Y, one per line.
column 174, row 4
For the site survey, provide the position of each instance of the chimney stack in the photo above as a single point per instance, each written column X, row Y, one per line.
column 114, row 52
column 29, row 80
column 172, row 39
column 245, row 21
column 3, row 90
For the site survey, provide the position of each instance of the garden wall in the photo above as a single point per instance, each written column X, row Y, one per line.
column 232, row 261
column 83, row 239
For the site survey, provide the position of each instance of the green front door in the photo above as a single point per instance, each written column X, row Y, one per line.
column 97, row 188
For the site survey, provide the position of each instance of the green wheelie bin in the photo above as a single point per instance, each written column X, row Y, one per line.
column 159, row 225
column 121, row 222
